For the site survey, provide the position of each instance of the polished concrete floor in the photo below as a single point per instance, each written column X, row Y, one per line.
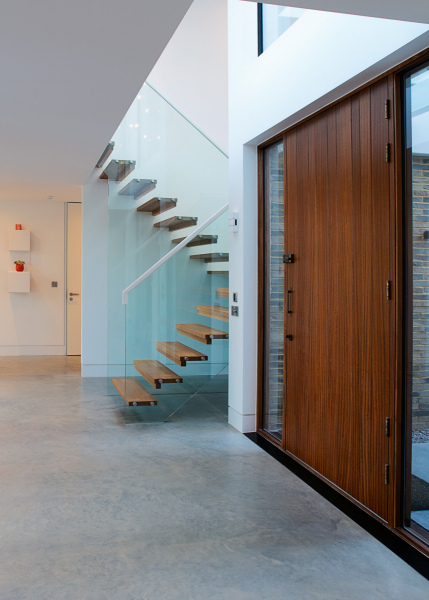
column 91, row 509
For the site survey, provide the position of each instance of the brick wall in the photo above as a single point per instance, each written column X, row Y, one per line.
column 275, row 289
column 420, row 408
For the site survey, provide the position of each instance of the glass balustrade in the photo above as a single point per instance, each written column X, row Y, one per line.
column 174, row 179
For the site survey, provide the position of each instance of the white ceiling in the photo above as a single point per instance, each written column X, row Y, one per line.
column 68, row 73
column 415, row 11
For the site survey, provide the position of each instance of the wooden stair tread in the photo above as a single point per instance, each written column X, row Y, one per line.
column 212, row 257
column 174, row 223
column 156, row 206
column 214, row 312
column 156, row 373
column 179, row 353
column 138, row 188
column 199, row 240
column 201, row 333
column 217, row 272
column 117, row 170
column 134, row 393
column 107, row 152
column 223, row 292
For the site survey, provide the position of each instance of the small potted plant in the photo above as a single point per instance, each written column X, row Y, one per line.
column 19, row 265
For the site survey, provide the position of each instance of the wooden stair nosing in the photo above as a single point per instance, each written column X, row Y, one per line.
column 157, row 205
column 138, row 188
column 199, row 240
column 211, row 257
column 201, row 333
column 223, row 292
column 106, row 153
column 179, row 353
column 156, row 373
column 117, row 170
column 214, row 312
column 179, row 222
column 134, row 393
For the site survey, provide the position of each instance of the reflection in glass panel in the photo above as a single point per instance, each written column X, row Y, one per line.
column 417, row 168
column 276, row 20
column 274, row 290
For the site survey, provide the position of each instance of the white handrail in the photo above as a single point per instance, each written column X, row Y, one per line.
column 169, row 255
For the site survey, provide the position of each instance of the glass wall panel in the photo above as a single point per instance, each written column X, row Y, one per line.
column 276, row 20
column 274, row 290
column 417, row 217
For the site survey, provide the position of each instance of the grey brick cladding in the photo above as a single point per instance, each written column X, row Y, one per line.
column 420, row 400
column 274, row 215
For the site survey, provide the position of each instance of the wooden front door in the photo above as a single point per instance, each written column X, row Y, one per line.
column 339, row 378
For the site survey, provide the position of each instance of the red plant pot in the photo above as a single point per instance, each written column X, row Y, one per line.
column 19, row 267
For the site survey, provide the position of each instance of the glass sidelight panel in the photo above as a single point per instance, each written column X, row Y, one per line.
column 416, row 499
column 272, row 420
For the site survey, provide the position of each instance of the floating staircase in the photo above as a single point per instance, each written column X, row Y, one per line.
column 202, row 333
column 107, row 152
column 199, row 240
column 175, row 223
column 214, row 312
column 154, row 372
column 138, row 188
column 211, row 257
column 133, row 392
column 117, row 170
column 179, row 353
column 156, row 206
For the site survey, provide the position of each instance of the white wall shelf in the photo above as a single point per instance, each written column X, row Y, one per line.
column 18, row 281
column 19, row 240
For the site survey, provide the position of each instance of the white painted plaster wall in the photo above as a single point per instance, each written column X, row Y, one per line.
column 192, row 72
column 33, row 323
column 322, row 57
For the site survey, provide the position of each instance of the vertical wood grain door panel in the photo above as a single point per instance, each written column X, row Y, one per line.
column 337, row 224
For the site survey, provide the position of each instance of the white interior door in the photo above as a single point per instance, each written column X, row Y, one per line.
column 74, row 268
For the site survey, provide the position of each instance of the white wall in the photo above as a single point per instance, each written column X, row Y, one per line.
column 192, row 72
column 33, row 323
column 319, row 59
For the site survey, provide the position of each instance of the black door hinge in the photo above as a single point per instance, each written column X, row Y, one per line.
column 387, row 109
column 288, row 258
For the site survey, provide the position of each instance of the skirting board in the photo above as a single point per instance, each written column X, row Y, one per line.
column 244, row 423
column 32, row 350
